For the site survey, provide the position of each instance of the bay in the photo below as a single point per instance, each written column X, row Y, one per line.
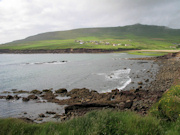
column 101, row 72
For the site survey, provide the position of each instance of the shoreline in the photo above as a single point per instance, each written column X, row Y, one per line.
column 139, row 99
column 77, row 50
column 69, row 50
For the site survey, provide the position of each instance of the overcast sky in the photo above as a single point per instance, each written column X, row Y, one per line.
column 22, row 18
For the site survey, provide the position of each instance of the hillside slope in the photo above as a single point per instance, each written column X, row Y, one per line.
column 133, row 36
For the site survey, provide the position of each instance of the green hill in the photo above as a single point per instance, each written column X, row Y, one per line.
column 133, row 36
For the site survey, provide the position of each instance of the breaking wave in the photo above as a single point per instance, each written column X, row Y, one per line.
column 120, row 76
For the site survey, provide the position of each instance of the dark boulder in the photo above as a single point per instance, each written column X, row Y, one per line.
column 41, row 115
column 27, row 120
column 49, row 112
column 47, row 90
column 2, row 97
column 128, row 104
column 147, row 80
column 87, row 105
column 63, row 90
column 9, row 97
column 79, row 92
column 50, row 97
column 116, row 91
column 16, row 97
column 64, row 61
column 36, row 92
column 94, row 91
column 121, row 105
column 33, row 97
column 25, row 99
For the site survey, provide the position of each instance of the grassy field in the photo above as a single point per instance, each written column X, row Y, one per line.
column 147, row 53
column 151, row 52
column 149, row 44
column 163, row 119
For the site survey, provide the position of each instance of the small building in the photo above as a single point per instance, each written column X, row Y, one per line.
column 127, row 45
column 107, row 43
column 81, row 42
column 114, row 44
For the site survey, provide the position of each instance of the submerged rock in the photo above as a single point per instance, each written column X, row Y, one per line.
column 9, row 97
column 64, row 61
column 16, row 97
column 2, row 97
column 50, row 112
column 47, row 90
column 25, row 99
column 21, row 91
column 36, row 92
column 33, row 97
column 5, row 92
column 63, row 90
column 41, row 115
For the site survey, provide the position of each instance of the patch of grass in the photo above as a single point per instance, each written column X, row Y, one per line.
column 105, row 122
column 173, row 128
column 133, row 43
column 168, row 107
column 148, row 53
column 94, row 123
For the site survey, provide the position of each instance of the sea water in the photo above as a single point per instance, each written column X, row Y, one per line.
column 101, row 72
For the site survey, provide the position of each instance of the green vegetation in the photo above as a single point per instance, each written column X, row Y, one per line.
column 168, row 106
column 148, row 53
column 132, row 37
column 95, row 123
column 163, row 119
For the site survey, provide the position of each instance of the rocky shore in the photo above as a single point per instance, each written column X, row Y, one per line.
column 81, row 101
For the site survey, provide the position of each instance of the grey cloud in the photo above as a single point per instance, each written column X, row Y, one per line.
column 23, row 18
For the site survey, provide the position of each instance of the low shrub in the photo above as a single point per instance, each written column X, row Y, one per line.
column 168, row 107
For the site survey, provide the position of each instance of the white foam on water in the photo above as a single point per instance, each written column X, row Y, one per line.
column 118, row 74
column 40, row 63
column 121, row 75
column 125, row 84
column 103, row 74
